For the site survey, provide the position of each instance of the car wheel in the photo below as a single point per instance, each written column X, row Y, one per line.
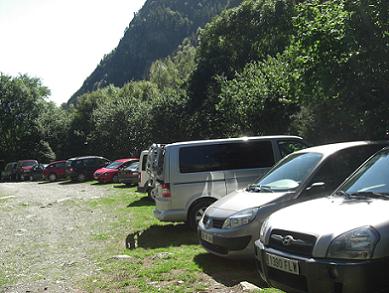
column 81, row 177
column 115, row 179
column 31, row 178
column 197, row 211
column 52, row 177
column 22, row 177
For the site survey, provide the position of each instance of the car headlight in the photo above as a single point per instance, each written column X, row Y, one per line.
column 240, row 218
column 355, row 244
column 263, row 230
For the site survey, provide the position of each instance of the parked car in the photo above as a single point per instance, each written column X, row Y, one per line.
column 230, row 226
column 339, row 243
column 143, row 177
column 82, row 168
column 110, row 173
column 37, row 172
column 9, row 172
column 24, row 169
column 55, row 171
column 192, row 175
column 129, row 174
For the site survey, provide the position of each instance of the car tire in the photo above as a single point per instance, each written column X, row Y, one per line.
column 52, row 177
column 197, row 211
column 22, row 177
column 115, row 179
column 81, row 177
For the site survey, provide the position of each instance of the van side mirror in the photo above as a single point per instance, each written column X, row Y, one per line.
column 316, row 185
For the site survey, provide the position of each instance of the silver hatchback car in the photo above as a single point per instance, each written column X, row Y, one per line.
column 230, row 226
column 338, row 243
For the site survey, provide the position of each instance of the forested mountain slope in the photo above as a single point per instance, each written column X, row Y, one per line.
column 154, row 33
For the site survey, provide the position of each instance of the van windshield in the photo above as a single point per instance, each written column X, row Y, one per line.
column 289, row 173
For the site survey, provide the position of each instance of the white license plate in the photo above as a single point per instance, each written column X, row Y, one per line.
column 282, row 263
column 207, row 237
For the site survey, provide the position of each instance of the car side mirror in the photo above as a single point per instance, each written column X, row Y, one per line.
column 316, row 185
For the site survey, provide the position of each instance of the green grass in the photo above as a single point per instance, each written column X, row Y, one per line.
column 162, row 257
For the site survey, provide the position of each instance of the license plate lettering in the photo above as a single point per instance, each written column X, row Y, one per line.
column 283, row 264
column 207, row 237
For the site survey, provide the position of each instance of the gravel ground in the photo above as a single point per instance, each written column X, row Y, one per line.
column 46, row 232
column 45, row 238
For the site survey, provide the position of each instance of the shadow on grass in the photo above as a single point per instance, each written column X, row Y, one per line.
column 226, row 271
column 142, row 202
column 122, row 186
column 162, row 236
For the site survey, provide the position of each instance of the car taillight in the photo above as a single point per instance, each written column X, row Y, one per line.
column 166, row 190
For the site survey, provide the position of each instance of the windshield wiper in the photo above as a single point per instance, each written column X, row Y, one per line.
column 364, row 194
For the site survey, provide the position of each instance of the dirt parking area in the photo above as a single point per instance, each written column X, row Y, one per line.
column 44, row 244
column 64, row 237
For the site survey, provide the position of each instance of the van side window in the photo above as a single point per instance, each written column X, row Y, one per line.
column 287, row 147
column 226, row 156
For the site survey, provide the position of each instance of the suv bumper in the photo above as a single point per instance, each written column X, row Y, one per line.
column 323, row 275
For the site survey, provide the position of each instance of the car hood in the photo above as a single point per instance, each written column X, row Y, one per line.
column 329, row 217
column 240, row 200
column 105, row 170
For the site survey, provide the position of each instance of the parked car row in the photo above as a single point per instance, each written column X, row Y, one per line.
column 76, row 169
column 305, row 233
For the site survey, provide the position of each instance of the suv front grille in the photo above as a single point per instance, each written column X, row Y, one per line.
column 214, row 222
column 292, row 242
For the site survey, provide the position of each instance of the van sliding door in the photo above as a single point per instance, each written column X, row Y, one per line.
column 247, row 161
column 197, row 173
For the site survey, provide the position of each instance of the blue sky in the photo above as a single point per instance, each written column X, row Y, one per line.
column 60, row 41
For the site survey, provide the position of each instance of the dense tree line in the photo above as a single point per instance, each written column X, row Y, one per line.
column 318, row 69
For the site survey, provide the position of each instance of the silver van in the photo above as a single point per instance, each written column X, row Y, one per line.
column 192, row 175
column 338, row 243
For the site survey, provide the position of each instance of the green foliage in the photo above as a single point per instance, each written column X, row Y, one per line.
column 256, row 101
column 120, row 124
column 238, row 36
column 174, row 71
column 22, row 100
column 340, row 51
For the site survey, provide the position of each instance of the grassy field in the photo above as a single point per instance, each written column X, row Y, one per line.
column 142, row 254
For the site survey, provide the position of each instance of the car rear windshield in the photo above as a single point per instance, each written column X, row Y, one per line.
column 114, row 165
column 226, row 156
column 133, row 167
column 29, row 163
column 290, row 172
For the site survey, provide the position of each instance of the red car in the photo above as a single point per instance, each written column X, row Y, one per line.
column 110, row 172
column 55, row 171
column 24, row 169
